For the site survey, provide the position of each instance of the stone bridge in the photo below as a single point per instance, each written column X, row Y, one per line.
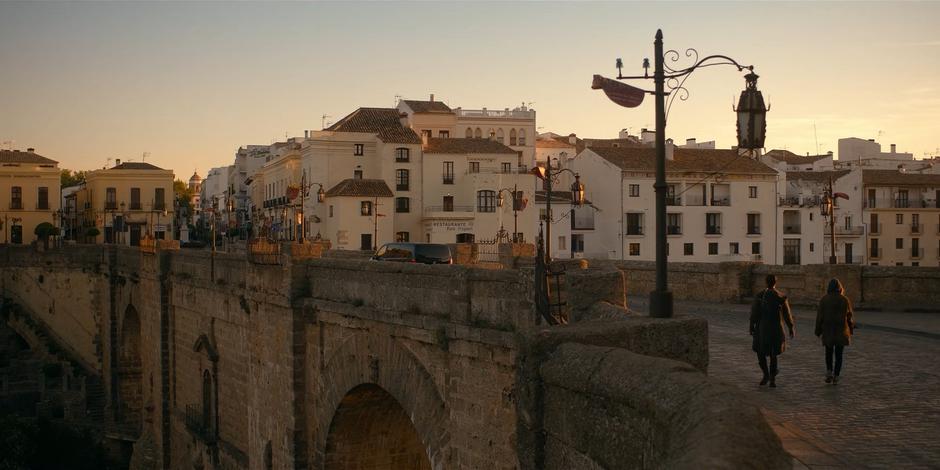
column 213, row 361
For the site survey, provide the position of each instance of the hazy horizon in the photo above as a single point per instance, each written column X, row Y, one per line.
column 191, row 82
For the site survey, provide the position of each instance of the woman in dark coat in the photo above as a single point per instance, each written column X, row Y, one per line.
column 834, row 325
column 770, row 316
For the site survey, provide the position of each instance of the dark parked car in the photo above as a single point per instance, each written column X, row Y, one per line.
column 426, row 253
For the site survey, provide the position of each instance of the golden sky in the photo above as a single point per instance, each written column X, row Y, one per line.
column 189, row 83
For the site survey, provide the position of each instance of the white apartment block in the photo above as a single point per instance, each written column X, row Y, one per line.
column 721, row 206
column 804, row 231
column 248, row 160
column 213, row 191
column 862, row 153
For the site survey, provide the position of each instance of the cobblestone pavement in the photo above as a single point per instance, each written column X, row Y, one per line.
column 885, row 412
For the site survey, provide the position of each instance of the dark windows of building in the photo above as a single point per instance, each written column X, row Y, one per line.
column 577, row 243
column 634, row 224
column 402, row 204
column 43, row 203
column 753, row 224
column 634, row 249
column 365, row 208
column 448, row 172
column 159, row 199
column 401, row 180
column 713, row 223
column 474, row 167
column 402, row 155
column 360, row 150
column 357, row 174
column 733, row 248
column 673, row 224
column 688, row 249
column 506, row 167
column 443, row 134
column 755, row 248
column 634, row 190
column 521, row 136
column 448, row 203
column 465, row 237
column 486, row 201
column 365, row 242
column 713, row 248
column 331, row 210
column 110, row 198
column 752, row 191
column 135, row 199
column 899, row 219
column 469, row 133
column 791, row 251
column 426, row 134
column 402, row 237
column 512, row 137
column 899, row 243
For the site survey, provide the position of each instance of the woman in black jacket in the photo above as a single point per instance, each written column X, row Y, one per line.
column 770, row 314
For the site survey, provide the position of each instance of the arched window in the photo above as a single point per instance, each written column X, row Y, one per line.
column 499, row 135
column 512, row 137
column 492, row 134
column 469, row 133
column 521, row 136
column 478, row 133
column 486, row 201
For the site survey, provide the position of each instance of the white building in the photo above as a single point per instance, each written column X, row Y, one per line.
column 721, row 206
column 784, row 160
column 855, row 152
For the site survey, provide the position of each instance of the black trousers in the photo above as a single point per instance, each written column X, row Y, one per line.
column 837, row 351
column 762, row 360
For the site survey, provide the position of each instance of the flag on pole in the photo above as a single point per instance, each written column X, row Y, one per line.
column 625, row 95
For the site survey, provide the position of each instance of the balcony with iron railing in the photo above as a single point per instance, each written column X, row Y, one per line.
column 843, row 231
column 495, row 113
column 673, row 230
column 673, row 201
column 799, row 201
column 792, row 229
column 712, row 230
column 901, row 203
column 917, row 253
column 724, row 201
column 16, row 205
column 753, row 230
column 634, row 230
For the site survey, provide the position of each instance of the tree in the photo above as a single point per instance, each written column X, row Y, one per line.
column 44, row 231
column 71, row 178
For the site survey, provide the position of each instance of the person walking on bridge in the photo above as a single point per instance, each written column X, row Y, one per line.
column 835, row 325
column 770, row 314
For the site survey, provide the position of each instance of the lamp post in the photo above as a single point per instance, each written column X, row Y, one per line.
column 304, row 187
column 751, row 128
column 123, row 220
column 516, row 202
column 827, row 210
column 549, row 174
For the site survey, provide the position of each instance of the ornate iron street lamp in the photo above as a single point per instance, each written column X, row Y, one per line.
column 517, row 205
column 752, row 128
column 827, row 210
column 304, row 187
column 550, row 176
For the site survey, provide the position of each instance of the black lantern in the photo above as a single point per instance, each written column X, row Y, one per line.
column 577, row 191
column 825, row 206
column 321, row 194
column 499, row 199
column 752, row 116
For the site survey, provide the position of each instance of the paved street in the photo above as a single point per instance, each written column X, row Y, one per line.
column 885, row 412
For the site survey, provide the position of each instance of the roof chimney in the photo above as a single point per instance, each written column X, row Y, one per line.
column 432, row 97
column 573, row 139
column 117, row 162
column 690, row 141
column 424, row 140
column 670, row 149
column 403, row 119
column 31, row 150
column 894, row 147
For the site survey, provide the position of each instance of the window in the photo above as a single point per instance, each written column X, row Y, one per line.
column 360, row 150
column 915, row 247
column 448, row 172
column 635, row 224
column 899, row 219
column 713, row 223
column 915, row 223
column 443, row 134
column 755, row 248
column 512, row 137
column 577, row 243
column 673, row 224
column 402, row 204
column 331, row 210
column 634, row 249
column 402, row 155
column 43, row 198
column 110, row 198
column 791, row 251
column 478, row 133
column 469, row 133
column 733, row 248
column 448, row 204
column 899, row 243
column 365, row 208
column 474, row 167
column 752, row 191
column 401, row 180
column 506, row 167
column 499, row 135
column 159, row 199
column 688, row 249
column 486, row 201
column 562, row 245
column 902, row 199
column 465, row 238
column 753, row 224
column 811, row 216
column 357, row 174
column 402, row 236
column 634, row 190
column 713, row 248
column 135, row 199
column 521, row 136
column 812, row 246
column 365, row 242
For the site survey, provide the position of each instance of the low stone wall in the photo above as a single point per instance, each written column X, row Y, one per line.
column 612, row 408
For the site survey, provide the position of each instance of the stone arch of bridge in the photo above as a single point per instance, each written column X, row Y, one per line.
column 374, row 383
column 130, row 390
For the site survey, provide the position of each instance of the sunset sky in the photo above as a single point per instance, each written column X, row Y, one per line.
column 191, row 82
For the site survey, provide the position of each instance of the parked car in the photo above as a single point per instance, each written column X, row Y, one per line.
column 425, row 253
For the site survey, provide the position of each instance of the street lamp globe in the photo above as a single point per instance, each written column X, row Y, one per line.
column 577, row 191
column 752, row 115
column 825, row 207
column 321, row 194
column 499, row 199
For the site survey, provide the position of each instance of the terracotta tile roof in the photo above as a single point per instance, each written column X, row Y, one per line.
column 791, row 158
column 360, row 188
column 11, row 156
column 816, row 176
column 136, row 166
column 896, row 178
column 552, row 143
column 383, row 122
column 467, row 146
column 684, row 160
column 428, row 106
column 594, row 143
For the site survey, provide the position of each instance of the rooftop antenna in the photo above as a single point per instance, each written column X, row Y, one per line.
column 144, row 156
column 8, row 144
column 816, row 137
column 397, row 99
column 108, row 163
column 324, row 118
